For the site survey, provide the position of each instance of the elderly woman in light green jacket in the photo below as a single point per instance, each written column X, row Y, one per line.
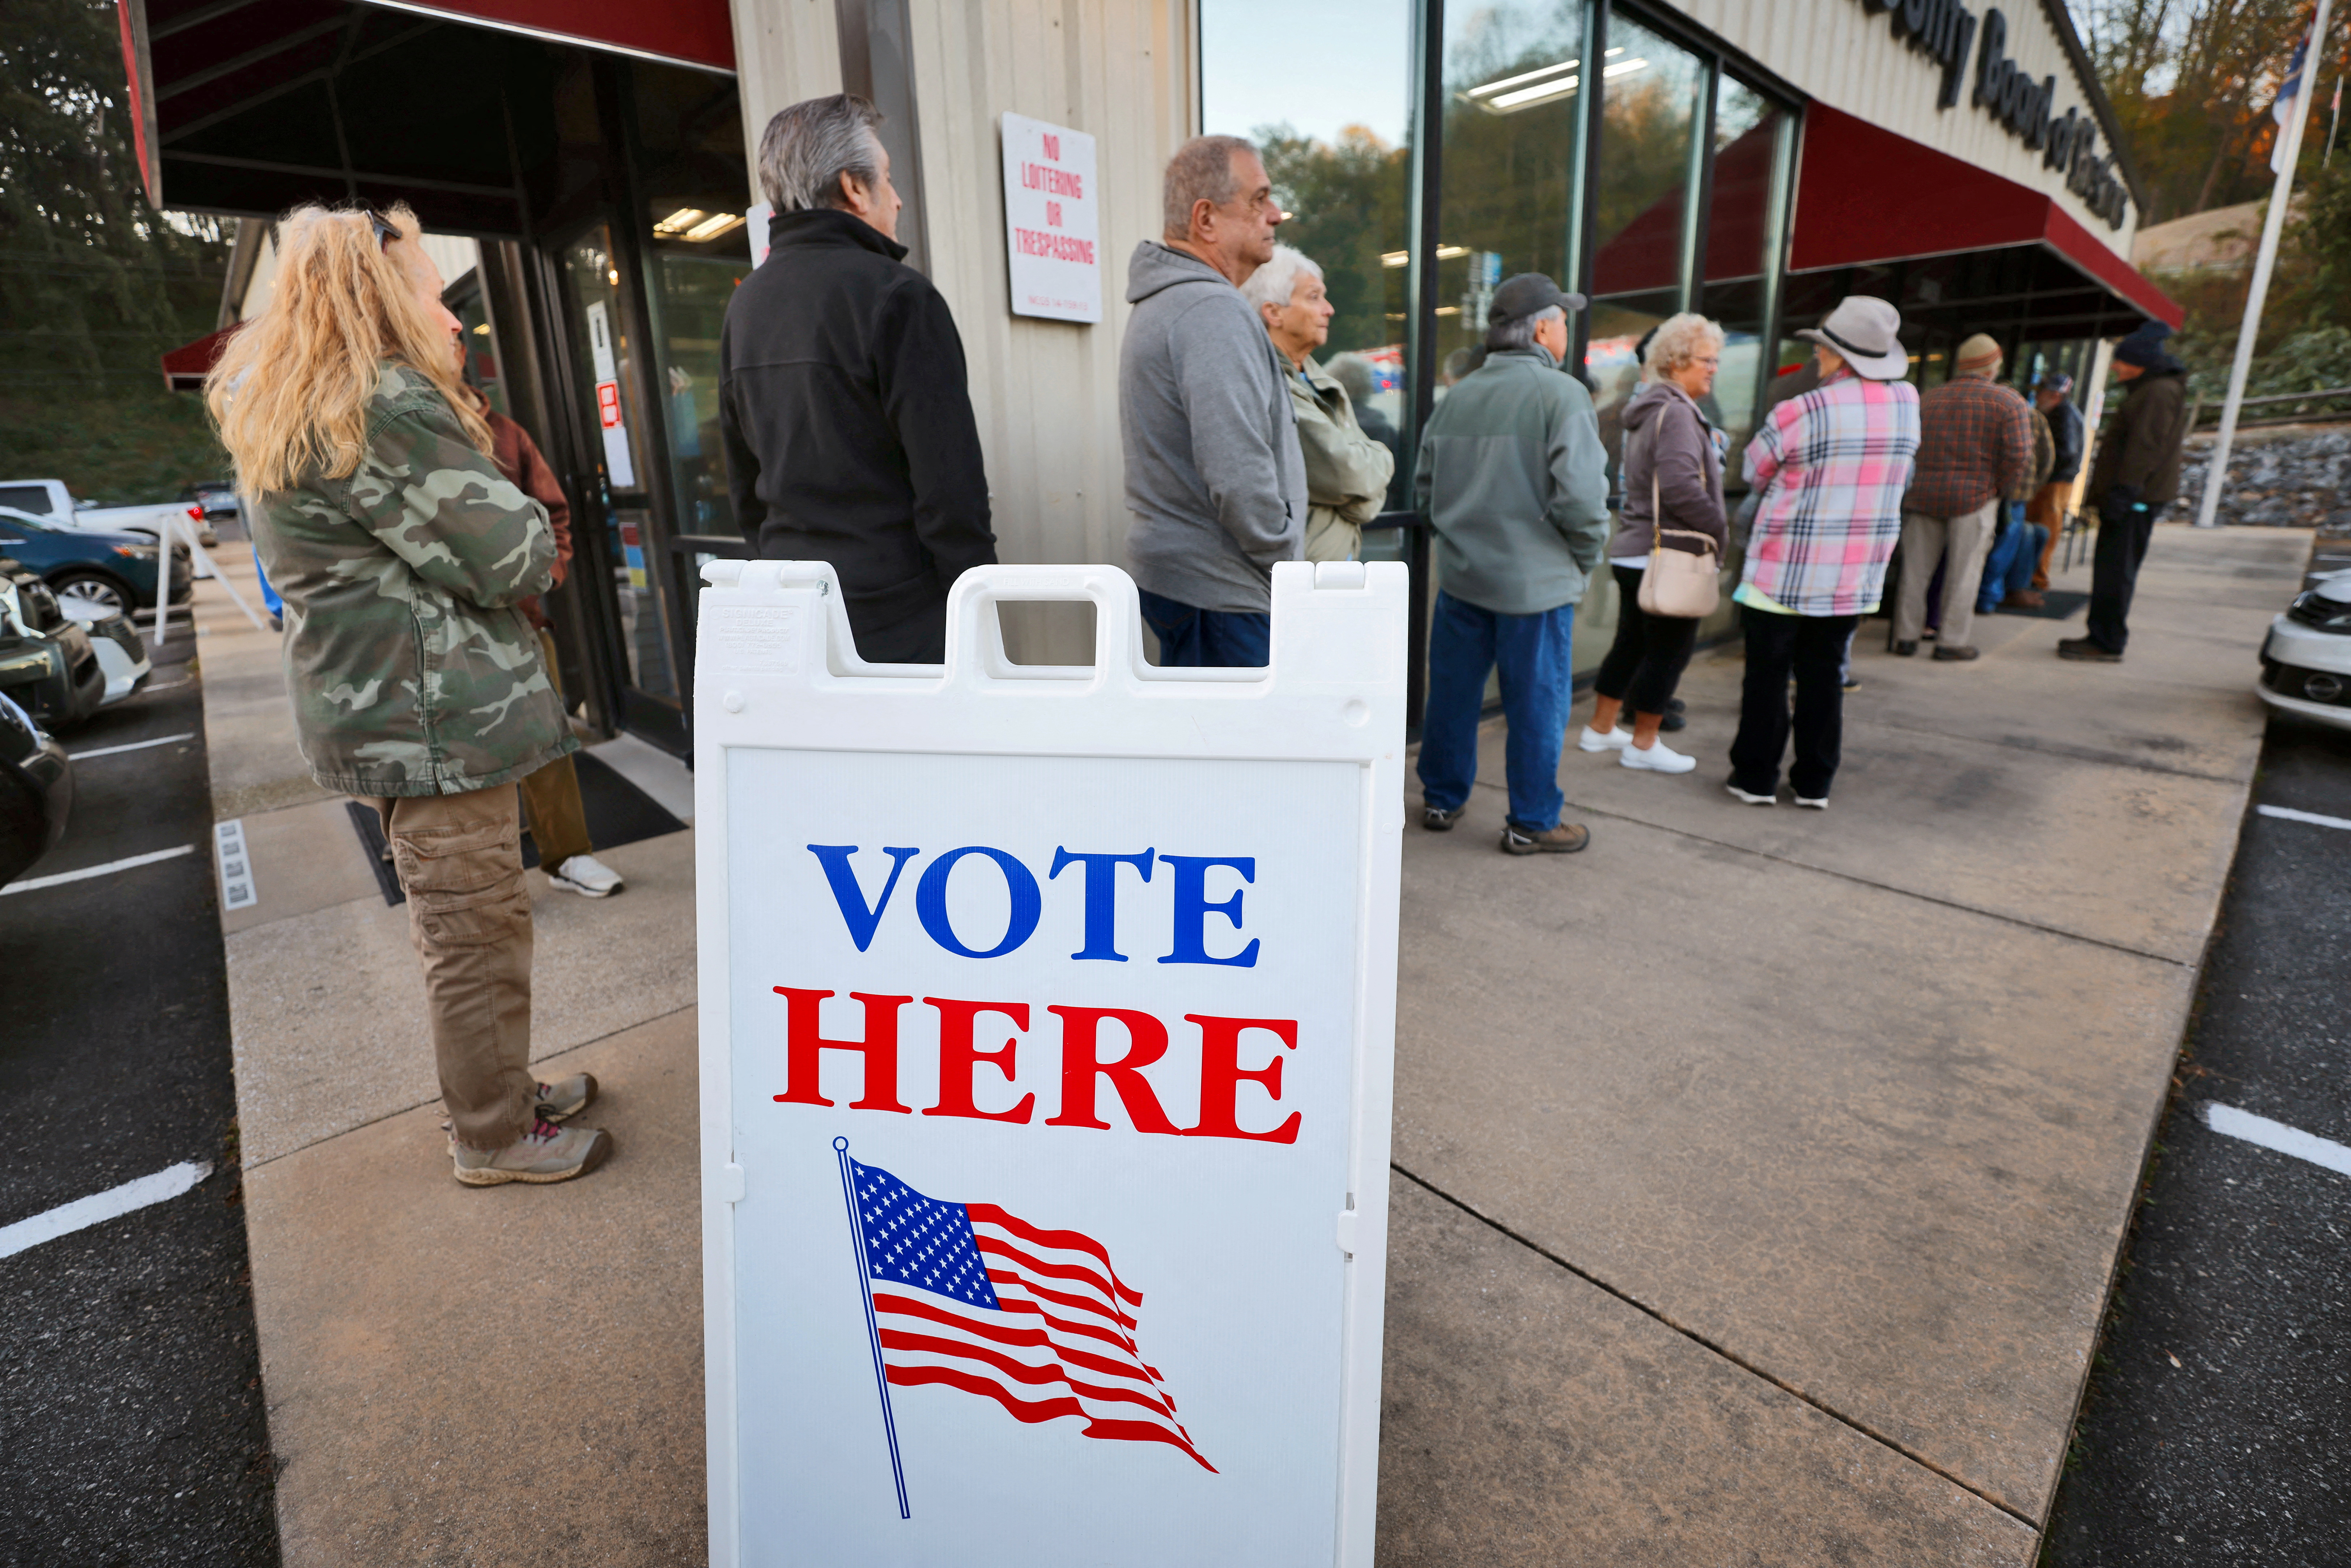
column 1347, row 472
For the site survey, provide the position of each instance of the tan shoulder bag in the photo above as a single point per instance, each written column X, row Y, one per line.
column 1678, row 585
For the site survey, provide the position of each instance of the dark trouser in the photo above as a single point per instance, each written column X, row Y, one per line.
column 1647, row 660
column 1812, row 648
column 920, row 638
column 2114, row 575
column 1192, row 638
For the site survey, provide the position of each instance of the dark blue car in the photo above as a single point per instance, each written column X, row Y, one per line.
column 115, row 573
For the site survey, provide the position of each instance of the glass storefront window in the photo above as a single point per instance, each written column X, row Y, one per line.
column 1743, row 230
column 1335, row 137
column 602, row 357
column 481, row 348
column 697, row 245
column 1651, row 110
column 1514, row 91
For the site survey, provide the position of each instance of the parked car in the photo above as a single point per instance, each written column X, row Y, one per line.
column 112, row 573
column 27, row 609
column 52, row 673
column 35, row 792
column 49, row 499
column 214, row 500
column 2307, row 658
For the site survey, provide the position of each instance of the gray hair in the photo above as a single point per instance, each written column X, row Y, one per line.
column 1518, row 331
column 1201, row 170
column 1679, row 340
column 1276, row 280
column 807, row 149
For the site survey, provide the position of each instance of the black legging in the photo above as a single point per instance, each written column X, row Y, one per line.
column 1645, row 663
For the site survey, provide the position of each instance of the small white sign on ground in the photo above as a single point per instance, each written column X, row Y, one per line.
column 1052, row 220
column 237, row 889
column 1048, row 1034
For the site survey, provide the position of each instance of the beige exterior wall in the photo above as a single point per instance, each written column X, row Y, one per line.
column 1045, row 392
column 1850, row 59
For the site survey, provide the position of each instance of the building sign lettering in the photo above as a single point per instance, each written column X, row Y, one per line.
column 1945, row 30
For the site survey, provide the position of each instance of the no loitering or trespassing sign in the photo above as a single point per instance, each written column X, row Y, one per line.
column 1048, row 1034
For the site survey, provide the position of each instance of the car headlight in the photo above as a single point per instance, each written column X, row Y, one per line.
column 2315, row 609
column 135, row 552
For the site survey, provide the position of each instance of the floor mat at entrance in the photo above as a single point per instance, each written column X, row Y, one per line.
column 618, row 813
column 2057, row 604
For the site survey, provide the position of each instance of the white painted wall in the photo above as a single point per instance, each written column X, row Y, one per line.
column 1850, row 59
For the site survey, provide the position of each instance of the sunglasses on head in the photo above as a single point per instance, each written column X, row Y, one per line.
column 386, row 231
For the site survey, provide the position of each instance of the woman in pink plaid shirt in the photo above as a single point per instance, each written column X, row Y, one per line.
column 1830, row 468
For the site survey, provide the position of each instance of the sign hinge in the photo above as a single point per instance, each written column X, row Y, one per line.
column 730, row 1182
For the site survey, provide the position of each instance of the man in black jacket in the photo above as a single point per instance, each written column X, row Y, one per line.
column 842, row 401
column 2134, row 476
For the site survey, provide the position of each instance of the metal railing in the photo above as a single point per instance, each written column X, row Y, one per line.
column 2329, row 394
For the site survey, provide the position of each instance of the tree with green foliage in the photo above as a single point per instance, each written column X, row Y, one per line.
column 94, row 284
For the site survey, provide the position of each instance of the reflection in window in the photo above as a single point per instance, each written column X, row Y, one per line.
column 1741, row 230
column 1323, row 88
column 1513, row 82
column 1650, row 113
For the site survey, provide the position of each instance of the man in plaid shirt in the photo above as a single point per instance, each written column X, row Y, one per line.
column 1975, row 446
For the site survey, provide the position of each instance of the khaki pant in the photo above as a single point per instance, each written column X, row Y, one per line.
column 460, row 863
column 551, row 796
column 2047, row 508
column 1960, row 543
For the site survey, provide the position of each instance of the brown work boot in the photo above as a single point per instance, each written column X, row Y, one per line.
column 2086, row 651
column 547, row 1153
column 2024, row 599
column 1563, row 839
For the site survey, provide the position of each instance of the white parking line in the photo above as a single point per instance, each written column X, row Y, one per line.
column 2288, row 813
column 134, row 746
column 2233, row 1122
column 100, row 1207
column 30, row 883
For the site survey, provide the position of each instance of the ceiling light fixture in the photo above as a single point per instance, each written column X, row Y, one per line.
column 714, row 225
column 678, row 222
column 1404, row 257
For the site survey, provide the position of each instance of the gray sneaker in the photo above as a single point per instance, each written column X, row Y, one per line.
column 546, row 1153
column 1563, row 839
column 566, row 1097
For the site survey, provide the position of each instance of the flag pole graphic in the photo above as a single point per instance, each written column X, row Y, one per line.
column 872, row 1330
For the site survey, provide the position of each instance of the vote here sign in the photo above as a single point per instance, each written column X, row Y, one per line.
column 1048, row 1034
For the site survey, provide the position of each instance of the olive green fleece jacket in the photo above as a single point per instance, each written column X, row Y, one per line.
column 1514, row 483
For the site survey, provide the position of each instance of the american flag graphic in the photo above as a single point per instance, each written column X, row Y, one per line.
column 967, row 1295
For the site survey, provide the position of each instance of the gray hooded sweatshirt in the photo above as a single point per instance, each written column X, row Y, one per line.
column 1214, row 475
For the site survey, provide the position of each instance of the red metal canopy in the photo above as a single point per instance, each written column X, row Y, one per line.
column 1866, row 196
column 185, row 367
column 689, row 32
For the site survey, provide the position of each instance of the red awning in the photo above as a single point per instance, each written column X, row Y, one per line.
column 689, row 32
column 1867, row 198
column 185, row 367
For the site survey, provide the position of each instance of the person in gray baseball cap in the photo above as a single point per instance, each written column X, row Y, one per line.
column 1513, row 481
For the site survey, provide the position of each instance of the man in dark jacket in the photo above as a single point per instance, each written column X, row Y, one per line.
column 842, row 403
column 2135, row 475
column 2054, row 400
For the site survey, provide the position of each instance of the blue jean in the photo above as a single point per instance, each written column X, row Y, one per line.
column 1214, row 639
column 2008, row 570
column 1537, row 664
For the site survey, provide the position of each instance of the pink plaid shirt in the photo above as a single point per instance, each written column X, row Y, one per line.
column 1830, row 467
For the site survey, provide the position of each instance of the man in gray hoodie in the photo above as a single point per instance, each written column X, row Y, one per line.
column 1214, row 476
column 1514, row 483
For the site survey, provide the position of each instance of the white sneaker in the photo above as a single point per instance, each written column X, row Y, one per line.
column 1752, row 799
column 1658, row 758
column 1592, row 740
column 586, row 875
column 1812, row 805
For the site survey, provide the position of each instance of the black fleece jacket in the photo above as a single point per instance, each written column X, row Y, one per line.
column 848, row 430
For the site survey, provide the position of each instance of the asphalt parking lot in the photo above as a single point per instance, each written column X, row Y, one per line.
column 2221, row 1409
column 132, row 1428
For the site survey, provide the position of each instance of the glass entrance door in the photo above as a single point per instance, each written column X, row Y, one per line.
column 610, row 368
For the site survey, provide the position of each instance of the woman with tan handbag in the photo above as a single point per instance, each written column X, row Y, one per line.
column 1666, row 552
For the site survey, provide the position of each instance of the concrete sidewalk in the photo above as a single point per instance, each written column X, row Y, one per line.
column 1761, row 1172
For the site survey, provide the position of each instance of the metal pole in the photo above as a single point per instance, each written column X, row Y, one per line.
column 872, row 1330
column 2216, row 472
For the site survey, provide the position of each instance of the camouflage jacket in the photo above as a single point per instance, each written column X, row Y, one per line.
column 411, row 669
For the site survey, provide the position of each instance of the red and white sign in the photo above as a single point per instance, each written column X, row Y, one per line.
column 1051, row 221
column 608, row 405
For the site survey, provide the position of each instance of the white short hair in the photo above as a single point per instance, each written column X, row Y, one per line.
column 1679, row 340
column 1276, row 280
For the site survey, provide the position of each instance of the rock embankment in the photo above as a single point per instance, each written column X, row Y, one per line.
column 2287, row 476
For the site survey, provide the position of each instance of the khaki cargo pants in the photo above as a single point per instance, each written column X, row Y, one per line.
column 460, row 862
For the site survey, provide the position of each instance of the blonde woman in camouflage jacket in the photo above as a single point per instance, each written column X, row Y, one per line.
column 401, row 553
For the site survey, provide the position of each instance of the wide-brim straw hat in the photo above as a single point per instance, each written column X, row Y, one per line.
column 1862, row 329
